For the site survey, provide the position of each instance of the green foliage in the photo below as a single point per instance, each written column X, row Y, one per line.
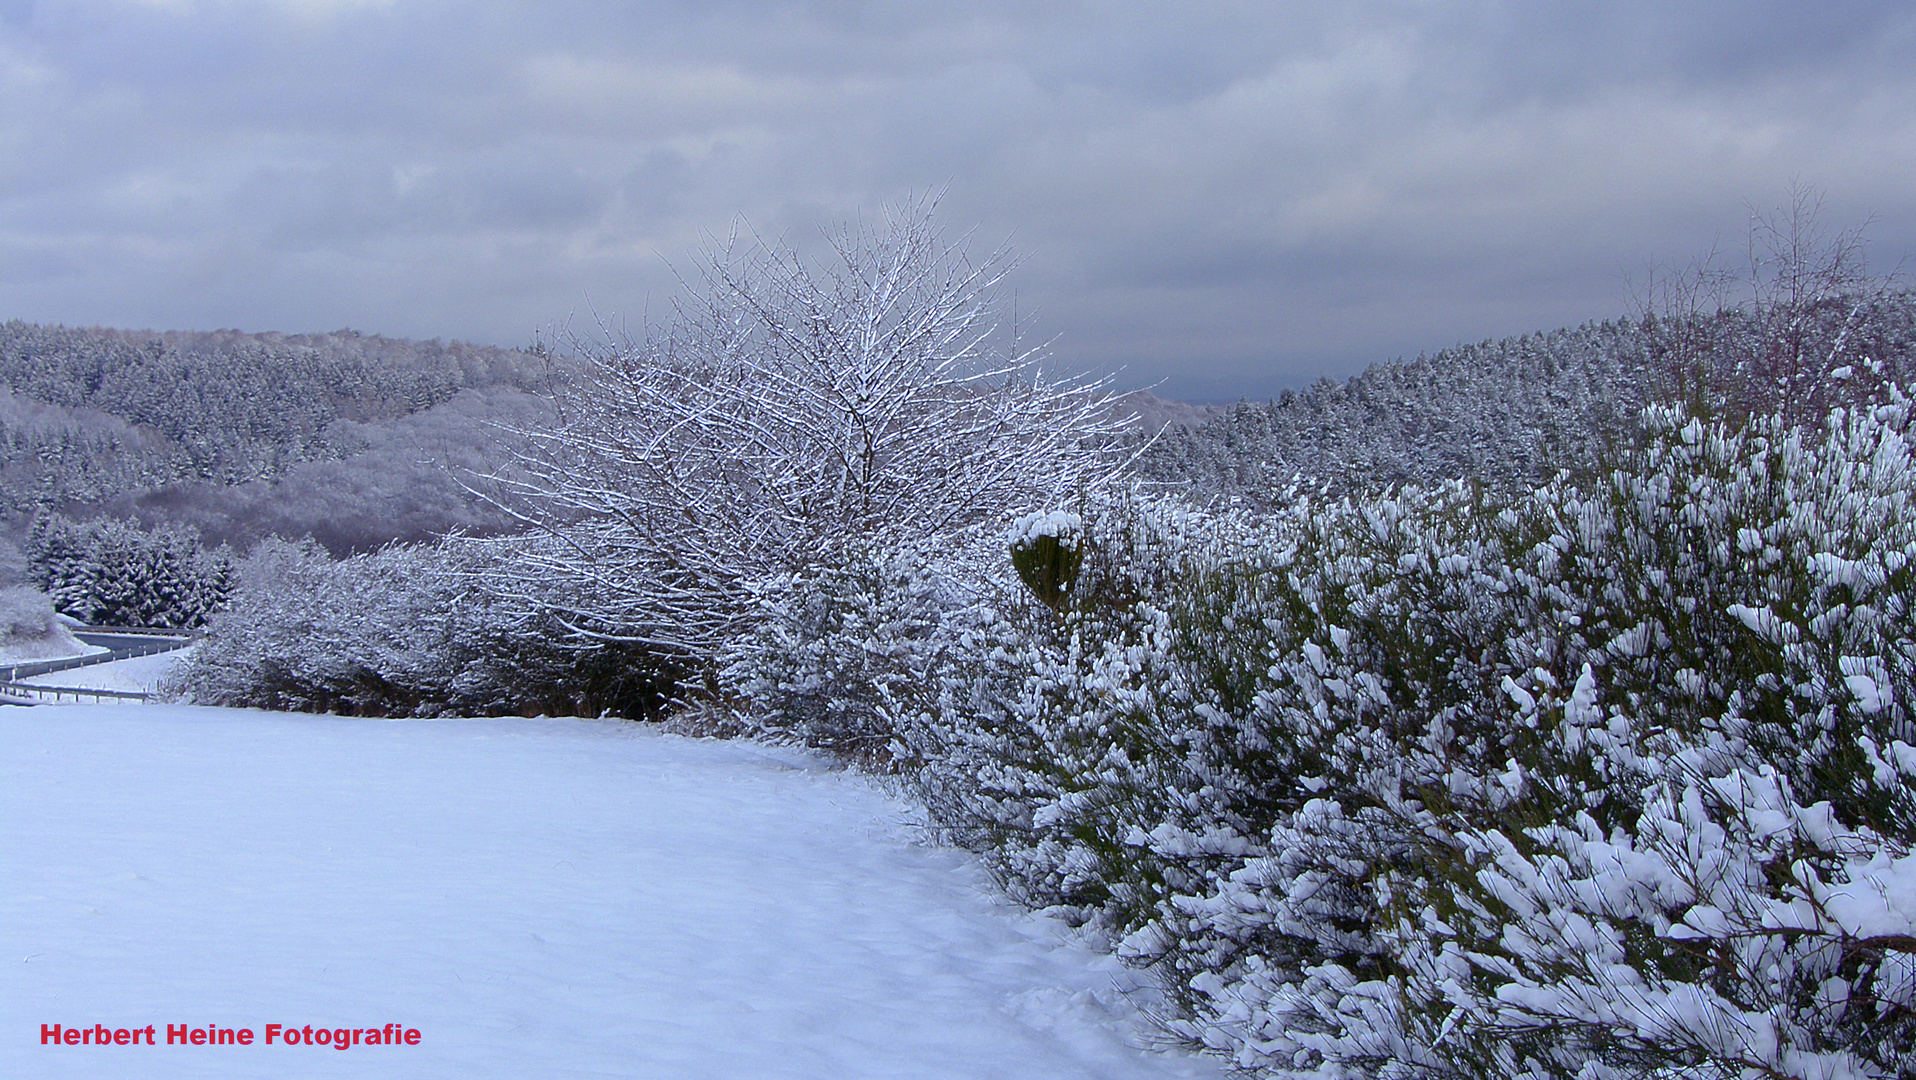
column 1047, row 551
column 1048, row 565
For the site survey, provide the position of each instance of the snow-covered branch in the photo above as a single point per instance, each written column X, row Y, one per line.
column 792, row 414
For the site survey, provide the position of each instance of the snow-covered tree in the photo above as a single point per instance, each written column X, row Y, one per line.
column 791, row 415
column 1800, row 327
column 116, row 573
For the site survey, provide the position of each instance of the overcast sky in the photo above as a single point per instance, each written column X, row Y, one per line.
column 1230, row 198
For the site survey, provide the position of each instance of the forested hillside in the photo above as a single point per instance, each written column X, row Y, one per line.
column 1499, row 412
column 345, row 436
column 246, row 435
column 1510, row 413
column 129, row 409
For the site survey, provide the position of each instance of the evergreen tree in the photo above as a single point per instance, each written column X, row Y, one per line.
column 115, row 573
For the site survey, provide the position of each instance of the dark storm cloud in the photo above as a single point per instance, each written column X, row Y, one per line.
column 1235, row 197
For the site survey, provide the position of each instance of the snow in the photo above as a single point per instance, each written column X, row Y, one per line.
column 1871, row 696
column 550, row 898
column 59, row 645
column 1059, row 523
column 137, row 674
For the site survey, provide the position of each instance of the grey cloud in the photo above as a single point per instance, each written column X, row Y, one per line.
column 1234, row 196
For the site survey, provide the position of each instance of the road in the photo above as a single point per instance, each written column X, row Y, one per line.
column 122, row 642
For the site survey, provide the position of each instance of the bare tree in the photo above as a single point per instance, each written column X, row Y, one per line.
column 790, row 415
column 1801, row 327
column 1685, row 315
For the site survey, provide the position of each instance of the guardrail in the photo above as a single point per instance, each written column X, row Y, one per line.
column 15, row 672
column 150, row 640
column 77, row 693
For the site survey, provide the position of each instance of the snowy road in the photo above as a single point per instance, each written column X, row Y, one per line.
column 139, row 674
column 551, row 898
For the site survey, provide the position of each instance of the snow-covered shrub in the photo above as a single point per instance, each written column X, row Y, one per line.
column 408, row 630
column 1600, row 781
column 29, row 628
column 1047, row 735
column 25, row 613
column 832, row 652
column 118, row 574
column 1706, row 861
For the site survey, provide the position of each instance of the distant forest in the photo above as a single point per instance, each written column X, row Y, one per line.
column 1511, row 413
column 1500, row 412
column 340, row 436
column 347, row 437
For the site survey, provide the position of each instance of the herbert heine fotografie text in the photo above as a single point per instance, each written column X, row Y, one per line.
column 274, row 1035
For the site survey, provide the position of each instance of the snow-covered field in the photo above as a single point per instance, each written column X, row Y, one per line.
column 537, row 898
